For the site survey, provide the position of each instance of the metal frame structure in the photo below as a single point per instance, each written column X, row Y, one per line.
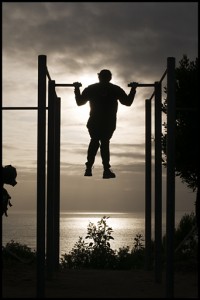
column 170, row 184
column 49, row 184
column 48, row 180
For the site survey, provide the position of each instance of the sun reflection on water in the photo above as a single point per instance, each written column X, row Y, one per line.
column 125, row 227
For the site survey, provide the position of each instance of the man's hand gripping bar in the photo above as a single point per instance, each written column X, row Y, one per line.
column 133, row 84
column 77, row 84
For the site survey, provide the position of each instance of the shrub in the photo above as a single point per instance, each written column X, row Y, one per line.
column 98, row 253
column 185, row 243
column 124, row 258
column 138, row 252
column 78, row 257
column 101, row 254
column 20, row 252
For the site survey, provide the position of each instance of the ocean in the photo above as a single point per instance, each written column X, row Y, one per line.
column 21, row 227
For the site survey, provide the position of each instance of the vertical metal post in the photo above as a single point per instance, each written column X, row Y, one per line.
column 41, row 162
column 170, row 218
column 57, row 184
column 148, row 184
column 158, row 184
column 50, row 178
column 1, row 194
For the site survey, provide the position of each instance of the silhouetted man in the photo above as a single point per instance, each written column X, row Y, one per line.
column 103, row 98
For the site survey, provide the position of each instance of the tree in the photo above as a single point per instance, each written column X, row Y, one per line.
column 187, row 119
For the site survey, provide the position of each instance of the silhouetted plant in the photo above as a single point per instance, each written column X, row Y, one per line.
column 138, row 242
column 185, row 243
column 101, row 254
column 79, row 256
column 98, row 253
column 13, row 251
column 124, row 258
column 100, row 234
column 138, row 252
column 186, row 126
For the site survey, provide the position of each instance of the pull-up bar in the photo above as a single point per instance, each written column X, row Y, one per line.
column 132, row 84
column 77, row 84
column 135, row 84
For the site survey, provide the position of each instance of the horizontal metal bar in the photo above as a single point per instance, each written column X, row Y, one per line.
column 66, row 84
column 135, row 84
column 20, row 108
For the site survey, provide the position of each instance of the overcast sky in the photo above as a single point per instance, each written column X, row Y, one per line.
column 133, row 40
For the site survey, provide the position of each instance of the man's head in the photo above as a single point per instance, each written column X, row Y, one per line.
column 105, row 76
column 9, row 175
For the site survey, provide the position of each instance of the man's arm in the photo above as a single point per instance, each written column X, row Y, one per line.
column 80, row 99
column 127, row 99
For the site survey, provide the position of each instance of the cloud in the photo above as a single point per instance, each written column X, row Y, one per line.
column 133, row 38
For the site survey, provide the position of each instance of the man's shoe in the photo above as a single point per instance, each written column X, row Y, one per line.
column 108, row 174
column 88, row 172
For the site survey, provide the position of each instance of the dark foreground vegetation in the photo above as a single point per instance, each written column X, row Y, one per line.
column 95, row 252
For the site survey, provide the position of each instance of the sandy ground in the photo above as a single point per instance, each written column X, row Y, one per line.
column 19, row 281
